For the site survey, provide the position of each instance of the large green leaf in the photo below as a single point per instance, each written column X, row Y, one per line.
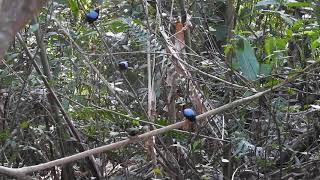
column 315, row 44
column 244, row 59
column 296, row 4
column 33, row 28
column 221, row 32
column 74, row 7
column 265, row 69
column 274, row 47
column 274, row 50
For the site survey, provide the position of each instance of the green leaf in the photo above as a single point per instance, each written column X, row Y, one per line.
column 265, row 69
column 297, row 25
column 244, row 59
column 4, row 135
column 74, row 7
column 12, row 56
column 117, row 26
column 85, row 3
column 242, row 147
column 275, row 44
column 264, row 164
column 33, row 28
column 280, row 103
column 196, row 145
column 269, row 45
column 221, row 32
column 291, row 91
column 315, row 44
column 271, row 83
column 227, row 49
column 24, row 125
column 289, row 33
column 135, row 122
column 274, row 48
column 295, row 4
column 162, row 122
column 310, row 33
column 157, row 171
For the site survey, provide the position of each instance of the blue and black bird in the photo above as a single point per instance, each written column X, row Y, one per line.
column 123, row 65
column 92, row 16
column 133, row 131
column 189, row 114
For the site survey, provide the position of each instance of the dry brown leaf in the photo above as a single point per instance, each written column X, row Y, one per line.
column 179, row 37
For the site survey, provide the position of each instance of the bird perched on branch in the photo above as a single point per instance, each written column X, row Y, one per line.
column 92, row 16
column 189, row 114
column 123, row 65
column 133, row 131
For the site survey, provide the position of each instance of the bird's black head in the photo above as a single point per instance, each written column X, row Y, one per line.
column 97, row 10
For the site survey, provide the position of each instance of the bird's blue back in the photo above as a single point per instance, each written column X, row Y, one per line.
column 92, row 14
column 189, row 112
